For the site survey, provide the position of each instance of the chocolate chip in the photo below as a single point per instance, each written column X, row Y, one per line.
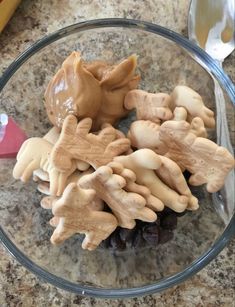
column 165, row 235
column 179, row 214
column 169, row 221
column 116, row 242
column 187, row 175
column 144, row 234
column 164, row 212
column 138, row 240
column 157, row 222
column 150, row 234
column 127, row 235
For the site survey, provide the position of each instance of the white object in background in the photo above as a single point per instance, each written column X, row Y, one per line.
column 3, row 124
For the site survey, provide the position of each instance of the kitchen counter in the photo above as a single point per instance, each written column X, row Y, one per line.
column 214, row 285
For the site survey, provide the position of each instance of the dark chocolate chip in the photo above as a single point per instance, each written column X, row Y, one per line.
column 127, row 235
column 151, row 228
column 179, row 214
column 150, row 234
column 158, row 221
column 169, row 221
column 116, row 242
column 165, row 235
column 187, row 175
column 138, row 240
column 164, row 212
column 105, row 243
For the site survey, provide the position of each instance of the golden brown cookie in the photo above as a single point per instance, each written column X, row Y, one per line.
column 184, row 96
column 126, row 206
column 208, row 162
column 76, row 143
column 152, row 202
column 44, row 188
column 170, row 173
column 52, row 135
column 33, row 155
column 145, row 134
column 149, row 106
column 73, row 214
column 144, row 163
column 197, row 124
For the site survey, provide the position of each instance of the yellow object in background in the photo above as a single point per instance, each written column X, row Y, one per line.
column 7, row 8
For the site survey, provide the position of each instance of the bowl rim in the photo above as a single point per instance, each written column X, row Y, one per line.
column 217, row 246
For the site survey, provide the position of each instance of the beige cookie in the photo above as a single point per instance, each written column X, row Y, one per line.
column 52, row 136
column 170, row 173
column 184, row 96
column 96, row 204
column 40, row 175
column 145, row 134
column 125, row 205
column 208, row 162
column 154, row 107
column 33, row 155
column 76, row 143
column 116, row 82
column 44, row 188
column 197, row 124
column 44, row 185
column 69, row 92
column 152, row 202
column 119, row 135
column 73, row 215
column 144, row 163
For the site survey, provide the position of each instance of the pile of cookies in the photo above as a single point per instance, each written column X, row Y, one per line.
column 84, row 164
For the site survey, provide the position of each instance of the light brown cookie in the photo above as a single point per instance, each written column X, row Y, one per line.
column 170, row 173
column 52, row 137
column 33, row 155
column 69, row 92
column 76, row 142
column 145, row 134
column 208, row 162
column 125, row 205
column 73, row 215
column 197, row 124
column 184, row 96
column 152, row 202
column 149, row 106
column 40, row 175
column 144, row 163
column 44, row 188
column 119, row 135
column 47, row 201
column 116, row 82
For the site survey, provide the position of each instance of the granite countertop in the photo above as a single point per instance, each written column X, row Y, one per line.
column 214, row 285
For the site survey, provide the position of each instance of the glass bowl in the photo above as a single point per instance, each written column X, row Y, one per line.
column 165, row 59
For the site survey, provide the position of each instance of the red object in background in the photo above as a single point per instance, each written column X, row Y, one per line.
column 12, row 140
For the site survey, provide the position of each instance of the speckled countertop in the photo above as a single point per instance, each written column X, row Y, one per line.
column 214, row 285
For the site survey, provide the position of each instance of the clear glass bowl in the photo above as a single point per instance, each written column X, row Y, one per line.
column 165, row 60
